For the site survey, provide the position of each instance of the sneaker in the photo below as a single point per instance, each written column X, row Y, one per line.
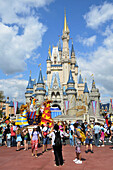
column 110, row 141
column 98, row 146
column 92, row 152
column 78, row 162
column 86, row 151
column 103, row 145
column 75, row 160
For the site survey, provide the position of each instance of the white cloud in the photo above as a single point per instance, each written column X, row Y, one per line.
column 14, row 88
column 87, row 41
column 99, row 15
column 15, row 48
column 18, row 76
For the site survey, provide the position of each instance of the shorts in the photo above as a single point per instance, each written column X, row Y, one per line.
column 45, row 140
column 34, row 144
column 88, row 141
column 25, row 138
column 19, row 139
column 77, row 148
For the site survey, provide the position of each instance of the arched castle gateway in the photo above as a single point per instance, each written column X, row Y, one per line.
column 70, row 95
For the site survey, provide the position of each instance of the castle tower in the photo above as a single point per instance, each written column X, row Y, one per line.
column 29, row 89
column 80, row 85
column 71, row 93
column 40, row 91
column 60, row 51
column 86, row 93
column 65, row 52
column 74, row 66
column 49, row 67
column 76, row 74
column 94, row 95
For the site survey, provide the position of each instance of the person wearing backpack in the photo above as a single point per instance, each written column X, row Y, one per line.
column 76, row 134
column 89, row 139
column 57, row 145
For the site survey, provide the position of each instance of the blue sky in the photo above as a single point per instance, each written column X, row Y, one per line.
column 27, row 27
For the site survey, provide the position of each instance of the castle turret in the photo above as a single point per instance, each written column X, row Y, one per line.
column 60, row 50
column 72, row 56
column 29, row 89
column 40, row 91
column 94, row 97
column 71, row 93
column 86, row 93
column 48, row 65
column 65, row 52
column 80, row 85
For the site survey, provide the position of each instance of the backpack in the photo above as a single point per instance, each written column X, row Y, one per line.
column 82, row 135
column 57, row 139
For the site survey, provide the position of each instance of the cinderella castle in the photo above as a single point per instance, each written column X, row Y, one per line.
column 64, row 86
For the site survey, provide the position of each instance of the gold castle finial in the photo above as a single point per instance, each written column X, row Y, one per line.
column 30, row 72
column 66, row 29
column 85, row 80
column 39, row 66
column 49, row 51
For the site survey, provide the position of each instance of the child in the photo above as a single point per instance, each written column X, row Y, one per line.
column 18, row 138
column 26, row 134
column 102, row 136
column 8, row 136
column 89, row 138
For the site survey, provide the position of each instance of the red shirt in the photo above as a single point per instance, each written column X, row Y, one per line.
column 13, row 133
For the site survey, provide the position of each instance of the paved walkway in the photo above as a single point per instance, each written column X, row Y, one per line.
column 101, row 159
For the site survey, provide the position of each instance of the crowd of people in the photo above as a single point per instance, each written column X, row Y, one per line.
column 73, row 133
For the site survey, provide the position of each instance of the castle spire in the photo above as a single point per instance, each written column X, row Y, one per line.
column 59, row 46
column 86, row 87
column 40, row 78
column 80, row 81
column 70, row 80
column 72, row 49
column 49, row 51
column 93, row 83
column 30, row 84
column 66, row 29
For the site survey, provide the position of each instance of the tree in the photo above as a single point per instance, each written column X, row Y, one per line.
column 1, row 96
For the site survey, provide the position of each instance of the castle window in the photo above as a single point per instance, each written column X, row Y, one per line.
column 52, row 95
column 58, row 95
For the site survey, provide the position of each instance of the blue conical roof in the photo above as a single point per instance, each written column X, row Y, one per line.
column 70, row 80
column 86, row 88
column 72, row 49
column 80, row 81
column 59, row 47
column 48, row 58
column 11, row 104
column 40, row 78
column 30, row 83
column 76, row 64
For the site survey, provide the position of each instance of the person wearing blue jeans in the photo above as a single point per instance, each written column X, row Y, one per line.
column 71, row 138
column 96, row 130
